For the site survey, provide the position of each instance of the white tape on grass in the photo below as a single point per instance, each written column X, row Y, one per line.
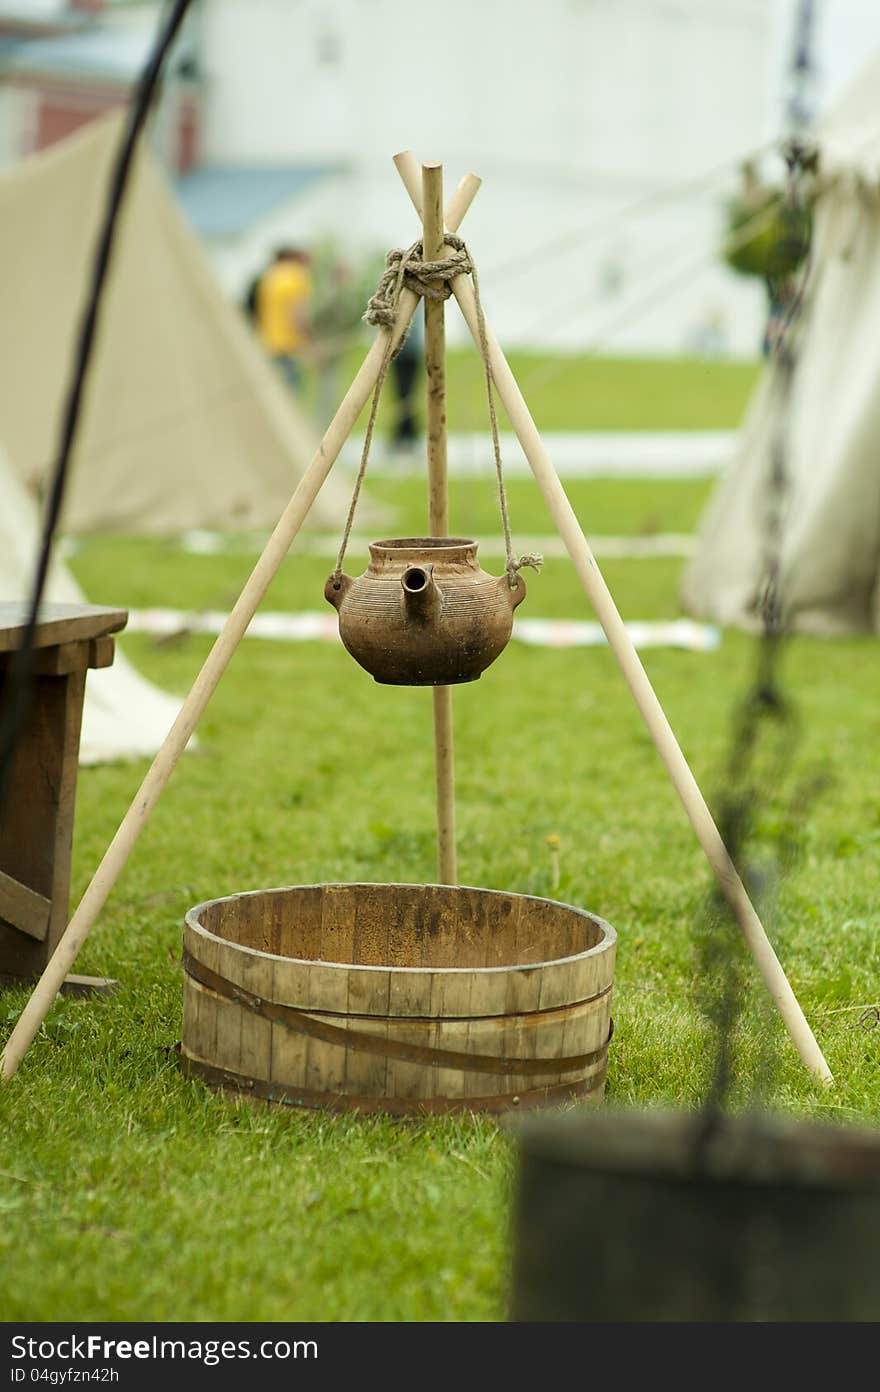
column 575, row 454
column 169, row 624
column 552, row 547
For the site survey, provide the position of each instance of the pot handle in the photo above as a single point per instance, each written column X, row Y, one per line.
column 335, row 589
column 515, row 593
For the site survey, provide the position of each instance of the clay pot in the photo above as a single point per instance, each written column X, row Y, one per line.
column 423, row 613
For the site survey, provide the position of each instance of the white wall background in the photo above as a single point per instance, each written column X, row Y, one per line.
column 847, row 32
column 571, row 110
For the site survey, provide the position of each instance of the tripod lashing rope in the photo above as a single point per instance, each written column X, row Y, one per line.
column 431, row 280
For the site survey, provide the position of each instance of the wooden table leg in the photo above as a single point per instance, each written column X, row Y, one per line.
column 37, row 813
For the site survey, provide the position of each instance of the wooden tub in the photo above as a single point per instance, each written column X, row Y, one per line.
column 398, row 998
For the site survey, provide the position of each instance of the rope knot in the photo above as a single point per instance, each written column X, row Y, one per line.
column 429, row 279
column 533, row 559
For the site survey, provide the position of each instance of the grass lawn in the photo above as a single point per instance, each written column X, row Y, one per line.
column 130, row 1192
column 578, row 391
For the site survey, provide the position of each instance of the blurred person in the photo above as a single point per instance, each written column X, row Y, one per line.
column 707, row 337
column 781, row 295
column 407, row 368
column 282, row 301
column 337, row 306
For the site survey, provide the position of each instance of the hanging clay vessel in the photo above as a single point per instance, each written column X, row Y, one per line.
column 423, row 613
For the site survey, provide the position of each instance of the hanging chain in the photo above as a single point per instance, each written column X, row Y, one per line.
column 789, row 292
column 430, row 280
column 765, row 722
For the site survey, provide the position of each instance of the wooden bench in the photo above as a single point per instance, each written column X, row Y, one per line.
column 37, row 806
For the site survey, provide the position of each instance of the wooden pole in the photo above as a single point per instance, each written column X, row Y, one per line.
column 444, row 780
column 637, row 679
column 461, row 200
column 408, row 167
column 435, row 355
column 438, row 511
column 647, row 702
column 432, row 232
column 121, row 846
column 160, row 770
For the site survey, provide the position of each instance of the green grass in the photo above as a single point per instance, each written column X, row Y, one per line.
column 145, row 570
column 130, row 1192
column 616, row 507
column 582, row 392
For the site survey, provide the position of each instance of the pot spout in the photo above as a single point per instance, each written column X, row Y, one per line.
column 421, row 592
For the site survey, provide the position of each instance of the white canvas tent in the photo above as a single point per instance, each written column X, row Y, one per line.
column 125, row 716
column 185, row 423
column 831, row 522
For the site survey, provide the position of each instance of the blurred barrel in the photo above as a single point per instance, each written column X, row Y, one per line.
column 640, row 1217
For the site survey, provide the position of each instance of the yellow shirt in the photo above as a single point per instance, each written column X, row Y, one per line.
column 282, row 295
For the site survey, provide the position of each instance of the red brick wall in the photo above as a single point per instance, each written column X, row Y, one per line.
column 59, row 114
column 187, row 152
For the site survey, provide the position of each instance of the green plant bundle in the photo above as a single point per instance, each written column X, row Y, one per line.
column 780, row 238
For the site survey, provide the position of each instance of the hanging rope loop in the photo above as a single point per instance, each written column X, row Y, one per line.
column 430, row 280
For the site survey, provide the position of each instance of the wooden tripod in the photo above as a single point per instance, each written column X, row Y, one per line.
column 424, row 186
